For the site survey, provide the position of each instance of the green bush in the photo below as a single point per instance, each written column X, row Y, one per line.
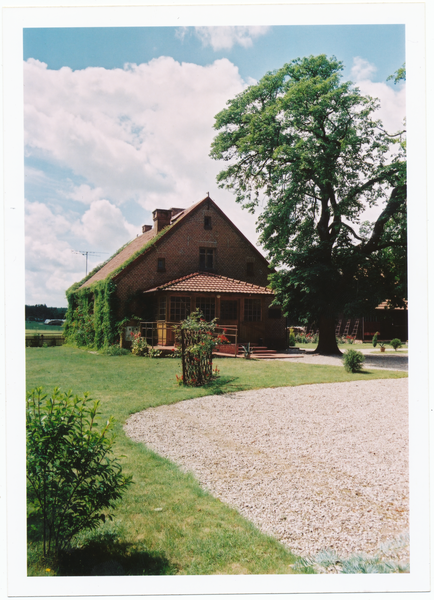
column 396, row 343
column 139, row 345
column 353, row 361
column 375, row 339
column 74, row 481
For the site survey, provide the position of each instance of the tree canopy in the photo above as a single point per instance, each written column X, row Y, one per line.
column 308, row 147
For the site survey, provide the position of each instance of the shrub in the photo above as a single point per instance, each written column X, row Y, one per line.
column 139, row 345
column 291, row 340
column 353, row 361
column 375, row 339
column 74, row 481
column 396, row 343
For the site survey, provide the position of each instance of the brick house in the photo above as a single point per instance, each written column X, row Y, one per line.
column 193, row 258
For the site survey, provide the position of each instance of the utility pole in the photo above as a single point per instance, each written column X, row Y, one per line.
column 86, row 254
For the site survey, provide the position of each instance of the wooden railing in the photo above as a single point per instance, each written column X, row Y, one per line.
column 161, row 333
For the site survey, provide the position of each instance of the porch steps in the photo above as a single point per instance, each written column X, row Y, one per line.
column 262, row 353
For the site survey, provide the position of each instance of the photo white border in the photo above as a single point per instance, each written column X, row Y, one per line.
column 412, row 14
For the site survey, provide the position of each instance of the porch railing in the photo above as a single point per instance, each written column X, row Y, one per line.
column 161, row 333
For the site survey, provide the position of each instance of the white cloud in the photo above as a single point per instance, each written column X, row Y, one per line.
column 392, row 98
column 362, row 69
column 224, row 38
column 139, row 133
column 104, row 227
column 85, row 194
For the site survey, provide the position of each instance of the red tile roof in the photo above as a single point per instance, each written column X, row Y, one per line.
column 209, row 282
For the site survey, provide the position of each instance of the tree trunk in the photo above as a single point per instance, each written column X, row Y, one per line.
column 327, row 344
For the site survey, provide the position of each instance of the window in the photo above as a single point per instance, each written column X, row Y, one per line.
column 228, row 310
column 179, row 308
column 207, row 307
column 161, row 265
column 162, row 309
column 274, row 313
column 252, row 309
column 206, row 259
column 207, row 223
column 250, row 268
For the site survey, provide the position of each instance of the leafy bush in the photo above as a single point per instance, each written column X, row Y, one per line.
column 353, row 361
column 396, row 343
column 375, row 339
column 74, row 481
column 139, row 345
column 291, row 340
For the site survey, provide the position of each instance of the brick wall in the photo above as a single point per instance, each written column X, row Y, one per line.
column 180, row 250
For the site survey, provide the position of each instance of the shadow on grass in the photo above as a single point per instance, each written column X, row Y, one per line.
column 114, row 558
column 223, row 385
column 105, row 553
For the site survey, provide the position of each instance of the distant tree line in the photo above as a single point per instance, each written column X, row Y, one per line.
column 42, row 311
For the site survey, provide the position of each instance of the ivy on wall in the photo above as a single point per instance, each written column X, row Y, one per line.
column 90, row 318
column 91, row 314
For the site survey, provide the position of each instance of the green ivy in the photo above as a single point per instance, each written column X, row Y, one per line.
column 91, row 316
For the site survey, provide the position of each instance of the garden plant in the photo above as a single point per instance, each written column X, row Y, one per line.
column 353, row 361
column 74, row 480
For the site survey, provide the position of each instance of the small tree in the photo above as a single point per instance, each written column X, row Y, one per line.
column 396, row 343
column 198, row 339
column 74, row 480
column 375, row 339
column 353, row 361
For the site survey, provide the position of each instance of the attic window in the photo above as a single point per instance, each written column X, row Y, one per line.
column 250, row 268
column 206, row 259
column 207, row 223
column 161, row 265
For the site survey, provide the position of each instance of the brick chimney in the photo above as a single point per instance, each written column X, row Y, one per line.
column 146, row 228
column 161, row 218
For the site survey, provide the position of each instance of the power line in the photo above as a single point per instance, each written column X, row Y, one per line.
column 86, row 254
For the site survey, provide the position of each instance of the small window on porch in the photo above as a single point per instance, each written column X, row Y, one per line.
column 162, row 309
column 179, row 308
column 161, row 265
column 207, row 307
column 228, row 310
column 206, row 259
column 252, row 309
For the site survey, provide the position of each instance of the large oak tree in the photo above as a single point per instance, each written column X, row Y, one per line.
column 307, row 147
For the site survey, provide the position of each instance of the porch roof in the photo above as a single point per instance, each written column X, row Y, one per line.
column 209, row 282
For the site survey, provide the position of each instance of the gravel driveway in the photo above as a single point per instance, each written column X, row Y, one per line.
column 320, row 466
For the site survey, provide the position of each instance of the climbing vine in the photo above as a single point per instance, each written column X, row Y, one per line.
column 90, row 318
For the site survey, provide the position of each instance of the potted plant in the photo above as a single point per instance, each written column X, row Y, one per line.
column 247, row 351
column 382, row 347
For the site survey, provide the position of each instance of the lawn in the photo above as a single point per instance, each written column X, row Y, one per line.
column 41, row 327
column 191, row 532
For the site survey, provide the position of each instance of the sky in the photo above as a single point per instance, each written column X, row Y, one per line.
column 119, row 121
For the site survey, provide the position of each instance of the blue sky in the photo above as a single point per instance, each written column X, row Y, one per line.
column 119, row 121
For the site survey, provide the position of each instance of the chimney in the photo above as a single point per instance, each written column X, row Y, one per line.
column 161, row 218
column 146, row 228
column 175, row 211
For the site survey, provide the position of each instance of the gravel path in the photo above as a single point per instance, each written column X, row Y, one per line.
column 320, row 466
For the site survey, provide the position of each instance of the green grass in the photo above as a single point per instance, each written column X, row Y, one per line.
column 41, row 327
column 194, row 533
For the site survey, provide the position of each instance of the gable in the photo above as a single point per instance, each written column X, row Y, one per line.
column 156, row 256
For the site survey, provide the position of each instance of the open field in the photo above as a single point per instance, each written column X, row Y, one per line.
column 191, row 532
column 41, row 327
